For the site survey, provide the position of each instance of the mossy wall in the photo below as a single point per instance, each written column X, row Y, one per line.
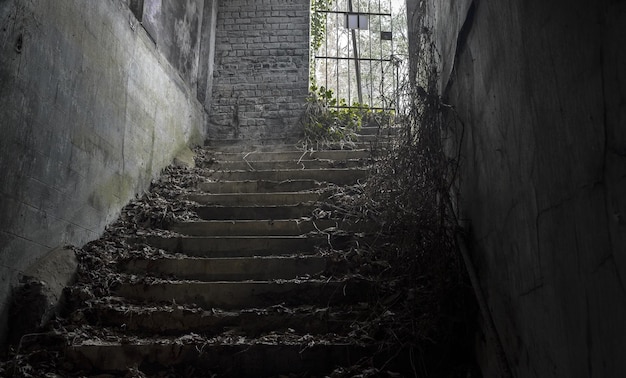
column 90, row 112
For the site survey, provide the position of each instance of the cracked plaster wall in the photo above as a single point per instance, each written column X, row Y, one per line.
column 539, row 88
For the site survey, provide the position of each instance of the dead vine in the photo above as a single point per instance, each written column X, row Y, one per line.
column 424, row 302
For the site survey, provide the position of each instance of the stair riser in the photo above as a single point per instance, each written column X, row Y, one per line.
column 259, row 360
column 336, row 176
column 229, row 269
column 248, row 246
column 253, row 323
column 260, row 186
column 255, row 199
column 236, row 247
column 287, row 164
column 293, row 155
column 237, row 295
column 254, row 212
column 382, row 131
column 268, row 148
column 372, row 138
column 241, row 146
column 253, row 228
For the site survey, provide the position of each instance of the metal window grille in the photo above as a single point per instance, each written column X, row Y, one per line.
column 356, row 60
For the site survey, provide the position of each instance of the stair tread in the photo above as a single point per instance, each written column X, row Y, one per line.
column 123, row 305
column 254, row 227
column 301, row 163
column 279, row 283
column 194, row 339
column 240, row 294
column 255, row 198
column 261, row 186
column 247, row 292
column 243, row 212
column 233, row 246
column 229, row 269
column 339, row 176
column 235, row 356
column 297, row 170
column 291, row 155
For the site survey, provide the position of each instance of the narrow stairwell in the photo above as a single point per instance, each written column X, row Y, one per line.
column 245, row 284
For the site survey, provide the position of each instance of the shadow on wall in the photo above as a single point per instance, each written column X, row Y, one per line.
column 539, row 88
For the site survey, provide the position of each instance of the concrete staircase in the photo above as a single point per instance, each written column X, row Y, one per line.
column 249, row 289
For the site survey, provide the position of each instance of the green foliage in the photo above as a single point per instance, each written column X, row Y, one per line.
column 318, row 22
column 318, row 29
column 328, row 120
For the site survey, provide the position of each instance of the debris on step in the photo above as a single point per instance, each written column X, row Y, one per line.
column 39, row 296
column 254, row 262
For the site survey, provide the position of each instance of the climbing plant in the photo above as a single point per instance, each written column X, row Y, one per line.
column 330, row 122
column 318, row 30
column 423, row 293
column 327, row 120
column 318, row 24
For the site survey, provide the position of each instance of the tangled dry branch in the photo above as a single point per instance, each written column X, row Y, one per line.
column 421, row 277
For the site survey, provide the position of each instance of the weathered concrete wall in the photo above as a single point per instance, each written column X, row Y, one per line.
column 184, row 33
column 206, row 53
column 176, row 26
column 90, row 112
column 540, row 88
column 261, row 68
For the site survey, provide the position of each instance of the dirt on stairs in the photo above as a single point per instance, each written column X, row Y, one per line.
column 226, row 269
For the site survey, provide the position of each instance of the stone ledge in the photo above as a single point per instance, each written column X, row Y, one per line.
column 39, row 296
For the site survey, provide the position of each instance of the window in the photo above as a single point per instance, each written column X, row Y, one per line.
column 357, row 21
column 136, row 6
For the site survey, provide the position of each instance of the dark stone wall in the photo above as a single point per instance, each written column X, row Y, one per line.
column 90, row 112
column 539, row 91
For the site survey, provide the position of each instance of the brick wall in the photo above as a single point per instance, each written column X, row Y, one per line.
column 261, row 68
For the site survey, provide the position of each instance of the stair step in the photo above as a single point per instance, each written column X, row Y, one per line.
column 339, row 176
column 250, row 165
column 254, row 212
column 376, row 130
column 229, row 269
column 226, row 147
column 241, row 358
column 252, row 155
column 260, row 186
column 237, row 246
column 266, row 144
column 372, row 138
column 250, row 246
column 253, row 227
column 254, row 198
column 242, row 294
column 172, row 320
